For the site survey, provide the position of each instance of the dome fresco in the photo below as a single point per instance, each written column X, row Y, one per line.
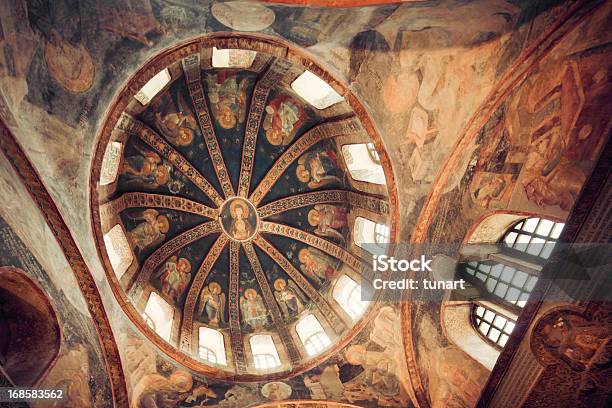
column 226, row 203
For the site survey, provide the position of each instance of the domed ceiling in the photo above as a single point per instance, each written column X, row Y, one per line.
column 226, row 194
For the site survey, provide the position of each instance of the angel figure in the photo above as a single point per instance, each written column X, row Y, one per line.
column 253, row 310
column 283, row 118
column 177, row 125
column 212, row 302
column 146, row 168
column 327, row 220
column 175, row 277
column 289, row 297
column 314, row 168
column 316, row 265
column 228, row 98
column 150, row 232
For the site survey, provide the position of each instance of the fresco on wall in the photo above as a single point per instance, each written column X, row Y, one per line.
column 175, row 121
column 531, row 155
column 369, row 372
column 537, row 150
column 454, row 378
column 78, row 368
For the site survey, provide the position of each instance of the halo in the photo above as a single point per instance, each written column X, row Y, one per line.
column 311, row 217
column 278, row 282
column 302, row 174
column 349, row 355
column 238, row 203
column 184, row 261
column 303, row 254
column 165, row 223
column 214, row 285
column 249, row 291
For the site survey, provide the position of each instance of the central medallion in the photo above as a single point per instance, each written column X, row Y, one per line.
column 238, row 219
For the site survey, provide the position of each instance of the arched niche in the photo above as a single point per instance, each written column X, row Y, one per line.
column 30, row 335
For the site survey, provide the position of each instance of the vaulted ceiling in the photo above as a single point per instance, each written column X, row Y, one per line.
column 233, row 194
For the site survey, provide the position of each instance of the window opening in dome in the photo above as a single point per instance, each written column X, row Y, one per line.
column 347, row 293
column 265, row 355
column 363, row 163
column 153, row 87
column 211, row 346
column 232, row 58
column 161, row 314
column 315, row 91
column 312, row 335
column 118, row 250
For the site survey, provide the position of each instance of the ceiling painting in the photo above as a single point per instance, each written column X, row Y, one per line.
column 235, row 200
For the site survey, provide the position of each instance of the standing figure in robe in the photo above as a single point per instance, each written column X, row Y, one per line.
column 289, row 297
column 175, row 277
column 212, row 302
column 253, row 310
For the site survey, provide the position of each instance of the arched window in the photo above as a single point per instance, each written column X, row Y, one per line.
column 265, row 355
column 370, row 236
column 232, row 58
column 153, row 87
column 534, row 236
column 505, row 282
column 363, row 163
column 511, row 274
column 493, row 326
column 110, row 163
column 158, row 314
column 381, row 234
column 347, row 293
column 315, row 91
column 312, row 335
column 505, row 275
column 211, row 346
column 118, row 250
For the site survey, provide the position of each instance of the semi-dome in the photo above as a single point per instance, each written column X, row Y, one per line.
column 235, row 185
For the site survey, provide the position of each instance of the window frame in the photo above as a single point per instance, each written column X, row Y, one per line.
column 476, row 324
column 208, row 351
